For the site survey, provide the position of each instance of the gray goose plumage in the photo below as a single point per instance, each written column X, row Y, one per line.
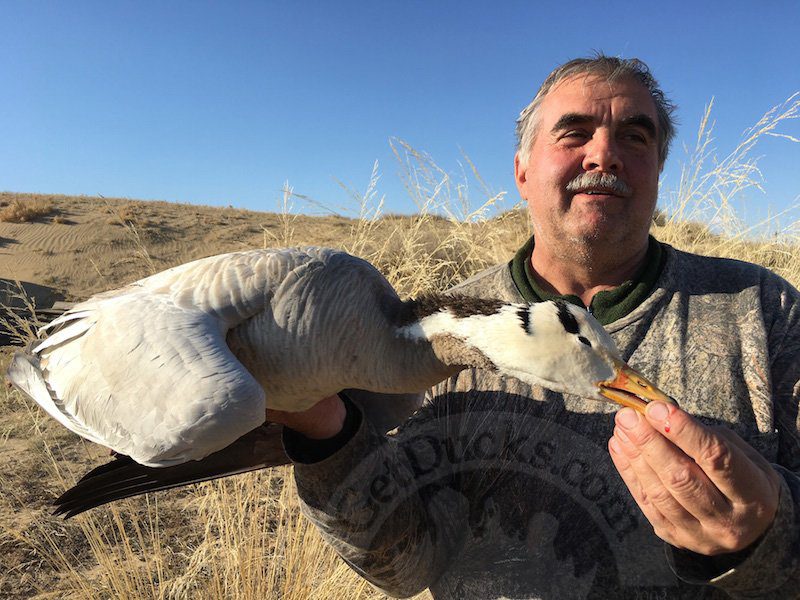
column 174, row 372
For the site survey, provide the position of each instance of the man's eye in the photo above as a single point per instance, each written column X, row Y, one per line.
column 636, row 137
column 574, row 134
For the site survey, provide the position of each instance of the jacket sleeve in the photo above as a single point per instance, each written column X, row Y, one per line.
column 770, row 568
column 386, row 503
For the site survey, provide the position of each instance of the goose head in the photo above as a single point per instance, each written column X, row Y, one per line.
column 552, row 344
column 562, row 347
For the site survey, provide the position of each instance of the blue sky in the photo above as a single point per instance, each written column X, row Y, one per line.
column 221, row 102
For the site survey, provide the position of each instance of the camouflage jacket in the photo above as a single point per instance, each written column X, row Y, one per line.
column 494, row 489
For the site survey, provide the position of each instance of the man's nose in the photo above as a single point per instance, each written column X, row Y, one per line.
column 602, row 154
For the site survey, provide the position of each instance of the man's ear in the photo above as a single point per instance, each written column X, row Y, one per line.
column 520, row 175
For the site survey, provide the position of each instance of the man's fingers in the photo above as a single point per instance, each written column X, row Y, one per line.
column 708, row 485
column 719, row 455
column 663, row 527
column 673, row 481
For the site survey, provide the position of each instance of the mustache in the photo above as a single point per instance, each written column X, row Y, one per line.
column 608, row 182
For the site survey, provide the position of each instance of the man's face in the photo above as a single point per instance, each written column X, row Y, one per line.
column 588, row 126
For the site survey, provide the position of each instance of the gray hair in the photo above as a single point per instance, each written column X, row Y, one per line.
column 611, row 68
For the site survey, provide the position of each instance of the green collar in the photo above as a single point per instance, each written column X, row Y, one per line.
column 607, row 306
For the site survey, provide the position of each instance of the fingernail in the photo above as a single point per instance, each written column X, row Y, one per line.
column 614, row 444
column 657, row 411
column 628, row 418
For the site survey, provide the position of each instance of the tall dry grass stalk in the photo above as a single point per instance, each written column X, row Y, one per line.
column 287, row 220
column 244, row 537
column 126, row 216
column 701, row 214
column 23, row 323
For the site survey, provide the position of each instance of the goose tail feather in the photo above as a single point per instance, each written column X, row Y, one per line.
column 123, row 477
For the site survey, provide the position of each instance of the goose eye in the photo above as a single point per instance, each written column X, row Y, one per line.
column 583, row 340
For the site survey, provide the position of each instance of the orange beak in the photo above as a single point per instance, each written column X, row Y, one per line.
column 630, row 388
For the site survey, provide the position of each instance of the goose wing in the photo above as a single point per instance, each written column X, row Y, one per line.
column 146, row 370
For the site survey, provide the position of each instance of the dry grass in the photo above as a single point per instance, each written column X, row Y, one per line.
column 700, row 215
column 244, row 537
column 20, row 324
column 19, row 210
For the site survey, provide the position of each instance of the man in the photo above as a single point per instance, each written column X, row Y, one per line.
column 494, row 489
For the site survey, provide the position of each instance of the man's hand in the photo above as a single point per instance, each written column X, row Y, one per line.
column 322, row 421
column 703, row 489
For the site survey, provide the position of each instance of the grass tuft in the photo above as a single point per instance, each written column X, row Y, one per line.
column 26, row 210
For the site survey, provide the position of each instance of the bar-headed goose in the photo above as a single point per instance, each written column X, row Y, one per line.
column 176, row 371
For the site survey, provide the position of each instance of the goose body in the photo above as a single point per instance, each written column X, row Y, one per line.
column 183, row 365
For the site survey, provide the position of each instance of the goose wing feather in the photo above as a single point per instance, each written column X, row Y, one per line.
column 24, row 372
column 146, row 370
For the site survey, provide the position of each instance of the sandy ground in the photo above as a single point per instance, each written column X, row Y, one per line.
column 88, row 245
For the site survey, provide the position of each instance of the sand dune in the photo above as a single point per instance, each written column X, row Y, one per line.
column 91, row 244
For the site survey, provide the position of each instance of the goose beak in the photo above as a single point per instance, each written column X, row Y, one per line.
column 630, row 388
